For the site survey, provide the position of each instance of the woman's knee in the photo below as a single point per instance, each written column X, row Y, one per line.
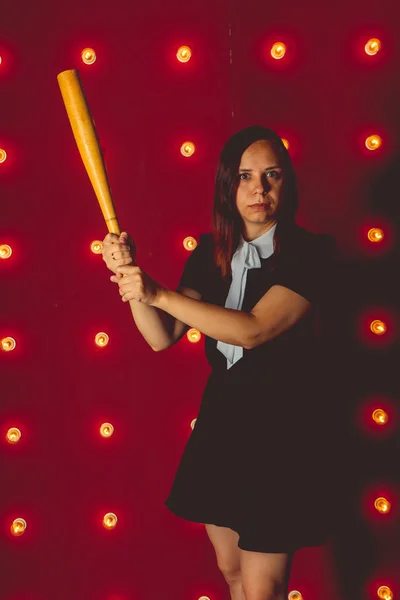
column 268, row 589
column 225, row 542
column 231, row 573
column 265, row 575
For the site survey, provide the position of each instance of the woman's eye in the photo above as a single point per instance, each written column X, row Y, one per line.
column 275, row 175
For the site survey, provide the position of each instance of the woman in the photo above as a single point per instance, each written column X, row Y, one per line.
column 251, row 470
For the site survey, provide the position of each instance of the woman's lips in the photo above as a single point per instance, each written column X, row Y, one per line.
column 260, row 206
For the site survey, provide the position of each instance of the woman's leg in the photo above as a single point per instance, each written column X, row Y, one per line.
column 265, row 576
column 225, row 542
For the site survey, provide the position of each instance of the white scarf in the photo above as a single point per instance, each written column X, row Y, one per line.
column 247, row 256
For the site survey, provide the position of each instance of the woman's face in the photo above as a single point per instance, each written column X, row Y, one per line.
column 260, row 189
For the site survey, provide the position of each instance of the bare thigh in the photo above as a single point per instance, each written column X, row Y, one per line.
column 225, row 542
column 265, row 575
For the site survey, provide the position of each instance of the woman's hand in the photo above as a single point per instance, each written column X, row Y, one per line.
column 118, row 251
column 136, row 285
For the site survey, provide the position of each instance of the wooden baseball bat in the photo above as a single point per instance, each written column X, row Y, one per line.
column 88, row 143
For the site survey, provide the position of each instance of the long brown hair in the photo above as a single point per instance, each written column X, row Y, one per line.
column 227, row 221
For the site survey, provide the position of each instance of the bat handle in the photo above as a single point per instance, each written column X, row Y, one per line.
column 113, row 225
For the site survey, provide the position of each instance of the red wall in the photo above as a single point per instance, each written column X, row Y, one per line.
column 325, row 97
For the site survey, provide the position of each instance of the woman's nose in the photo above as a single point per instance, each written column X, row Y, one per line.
column 262, row 186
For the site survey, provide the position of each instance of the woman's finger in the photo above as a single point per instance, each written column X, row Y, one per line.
column 120, row 253
column 121, row 262
column 116, row 258
column 127, row 297
column 111, row 238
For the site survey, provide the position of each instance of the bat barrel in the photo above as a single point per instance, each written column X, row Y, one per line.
column 85, row 134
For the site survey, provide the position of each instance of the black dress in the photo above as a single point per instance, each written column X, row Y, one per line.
column 257, row 460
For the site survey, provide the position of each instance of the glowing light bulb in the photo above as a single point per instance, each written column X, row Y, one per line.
column 8, row 344
column 88, row 56
column 187, row 149
column 102, row 339
column 5, row 251
column 3, row 155
column 372, row 46
column 184, row 54
column 189, row 243
column 96, row 247
column 385, row 592
column 375, row 234
column 382, row 505
column 380, row 416
column 373, row 142
column 106, row 430
column 110, row 520
column 193, row 335
column 295, row 595
column 13, row 435
column 18, row 527
column 193, row 423
column 378, row 327
column 278, row 50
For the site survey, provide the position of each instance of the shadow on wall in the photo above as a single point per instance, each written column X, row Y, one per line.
column 383, row 191
column 353, row 548
column 354, row 372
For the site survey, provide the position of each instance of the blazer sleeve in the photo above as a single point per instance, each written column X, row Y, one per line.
column 309, row 269
column 194, row 274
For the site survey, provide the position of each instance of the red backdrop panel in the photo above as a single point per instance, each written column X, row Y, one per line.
column 57, row 386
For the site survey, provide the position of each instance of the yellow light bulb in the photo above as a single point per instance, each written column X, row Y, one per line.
column 373, row 142
column 88, row 56
column 96, row 247
column 278, row 50
column 382, row 505
column 187, row 149
column 295, row 595
column 372, row 46
column 385, row 592
column 3, row 155
column 285, row 143
column 375, row 234
column 13, row 435
column 106, row 430
column 378, row 327
column 18, row 527
column 184, row 54
column 8, row 344
column 189, row 243
column 193, row 335
column 5, row 251
column 102, row 339
column 380, row 416
column 110, row 521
